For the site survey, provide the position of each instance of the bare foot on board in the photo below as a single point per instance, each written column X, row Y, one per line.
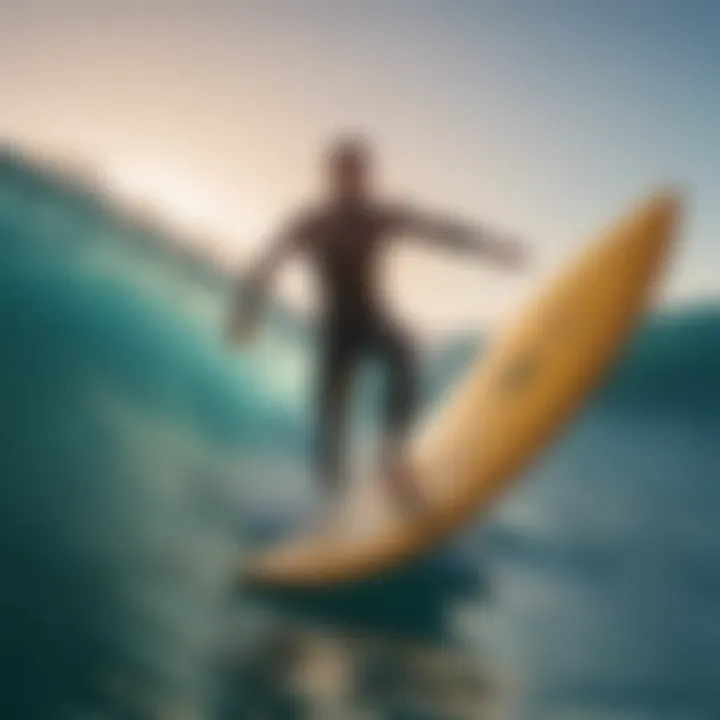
column 402, row 482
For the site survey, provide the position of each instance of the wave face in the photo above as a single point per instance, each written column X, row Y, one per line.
column 139, row 458
column 120, row 430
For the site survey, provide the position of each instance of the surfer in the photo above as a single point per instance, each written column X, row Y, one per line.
column 344, row 237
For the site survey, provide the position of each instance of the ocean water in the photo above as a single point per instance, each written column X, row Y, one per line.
column 140, row 460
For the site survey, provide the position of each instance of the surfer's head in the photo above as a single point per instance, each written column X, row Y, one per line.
column 348, row 165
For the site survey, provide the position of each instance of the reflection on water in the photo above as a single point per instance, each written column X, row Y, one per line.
column 411, row 643
column 302, row 670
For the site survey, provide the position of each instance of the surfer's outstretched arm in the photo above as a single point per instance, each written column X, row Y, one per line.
column 455, row 234
column 252, row 288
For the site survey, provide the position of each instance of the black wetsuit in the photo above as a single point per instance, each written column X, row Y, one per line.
column 344, row 242
column 344, row 245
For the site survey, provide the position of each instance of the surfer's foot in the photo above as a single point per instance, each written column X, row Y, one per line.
column 325, row 513
column 403, row 485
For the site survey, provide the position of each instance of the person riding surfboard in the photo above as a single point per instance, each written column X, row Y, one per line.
column 343, row 237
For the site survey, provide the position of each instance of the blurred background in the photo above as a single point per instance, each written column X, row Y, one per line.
column 147, row 150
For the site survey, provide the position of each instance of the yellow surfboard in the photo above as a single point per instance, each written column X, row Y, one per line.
column 509, row 406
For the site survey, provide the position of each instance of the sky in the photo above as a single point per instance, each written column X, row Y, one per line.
column 544, row 118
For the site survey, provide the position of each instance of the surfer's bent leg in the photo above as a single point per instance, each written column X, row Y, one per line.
column 335, row 370
column 396, row 352
column 398, row 357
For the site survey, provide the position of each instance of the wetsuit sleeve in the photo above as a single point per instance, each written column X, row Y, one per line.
column 286, row 242
column 454, row 234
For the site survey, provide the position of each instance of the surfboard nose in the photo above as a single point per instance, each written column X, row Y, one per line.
column 663, row 211
column 660, row 224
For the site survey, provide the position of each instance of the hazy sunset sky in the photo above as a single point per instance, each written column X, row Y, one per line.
column 543, row 117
